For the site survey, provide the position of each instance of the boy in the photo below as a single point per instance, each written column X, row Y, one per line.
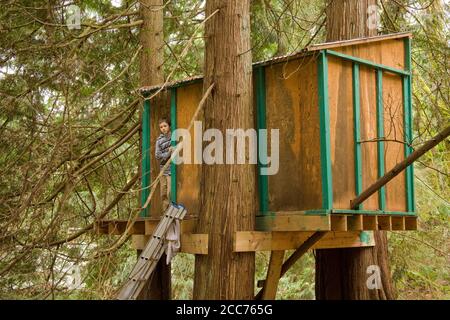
column 163, row 151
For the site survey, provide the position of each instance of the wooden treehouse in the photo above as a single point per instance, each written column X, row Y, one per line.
column 344, row 114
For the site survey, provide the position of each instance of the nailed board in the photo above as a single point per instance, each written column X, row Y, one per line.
column 190, row 243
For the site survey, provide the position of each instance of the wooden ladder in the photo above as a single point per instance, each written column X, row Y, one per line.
column 154, row 249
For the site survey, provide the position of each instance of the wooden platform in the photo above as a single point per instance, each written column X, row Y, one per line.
column 304, row 221
column 278, row 231
column 282, row 221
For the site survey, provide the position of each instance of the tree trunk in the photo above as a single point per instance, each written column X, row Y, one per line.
column 152, row 73
column 350, row 19
column 228, row 191
column 343, row 273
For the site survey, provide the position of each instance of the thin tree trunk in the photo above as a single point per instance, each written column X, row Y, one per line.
column 342, row 273
column 228, row 191
column 151, row 73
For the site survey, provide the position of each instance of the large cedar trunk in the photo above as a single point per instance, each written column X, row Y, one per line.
column 342, row 273
column 228, row 191
column 151, row 73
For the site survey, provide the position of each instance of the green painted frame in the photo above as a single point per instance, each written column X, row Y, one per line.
column 407, row 123
column 263, row 181
column 368, row 63
column 145, row 165
column 173, row 127
column 357, row 129
column 325, row 146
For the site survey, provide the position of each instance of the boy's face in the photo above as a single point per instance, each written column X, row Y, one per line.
column 164, row 127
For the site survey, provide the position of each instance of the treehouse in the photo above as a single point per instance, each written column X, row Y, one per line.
column 343, row 110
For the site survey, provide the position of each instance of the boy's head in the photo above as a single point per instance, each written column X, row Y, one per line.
column 164, row 125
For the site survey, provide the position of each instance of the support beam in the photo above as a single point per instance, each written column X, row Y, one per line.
column 296, row 255
column 273, row 275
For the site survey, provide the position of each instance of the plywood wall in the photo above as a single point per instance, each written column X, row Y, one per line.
column 291, row 103
column 188, row 175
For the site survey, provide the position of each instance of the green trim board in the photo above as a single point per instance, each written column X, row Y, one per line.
column 368, row 63
column 263, row 183
column 173, row 127
column 145, row 166
column 372, row 212
column 380, row 136
column 324, row 115
column 407, row 122
column 357, row 129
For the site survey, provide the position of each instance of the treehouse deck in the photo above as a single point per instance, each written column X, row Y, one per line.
column 279, row 231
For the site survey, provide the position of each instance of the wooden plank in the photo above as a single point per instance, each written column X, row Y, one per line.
column 370, row 222
column 338, row 222
column 248, row 241
column 293, row 223
column 349, row 239
column 190, row 242
column 194, row 243
column 384, row 223
column 398, row 223
column 187, row 225
column 273, row 275
column 410, row 223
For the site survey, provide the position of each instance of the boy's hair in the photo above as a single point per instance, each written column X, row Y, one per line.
column 164, row 119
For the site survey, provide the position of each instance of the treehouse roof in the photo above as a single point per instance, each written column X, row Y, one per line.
column 301, row 53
